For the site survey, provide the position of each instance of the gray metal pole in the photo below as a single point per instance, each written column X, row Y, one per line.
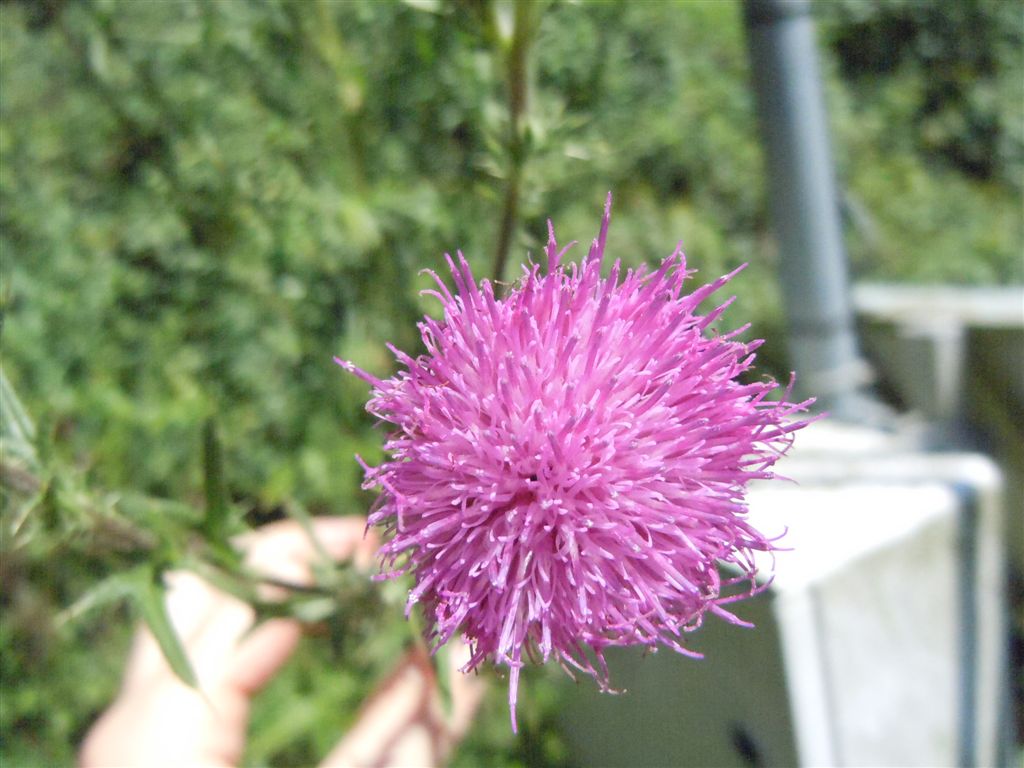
column 804, row 204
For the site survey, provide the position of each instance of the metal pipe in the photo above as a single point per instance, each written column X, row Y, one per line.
column 804, row 204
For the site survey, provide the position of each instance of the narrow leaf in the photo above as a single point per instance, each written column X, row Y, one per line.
column 430, row 6
column 111, row 590
column 314, row 610
column 13, row 416
column 213, row 482
column 148, row 597
column 16, row 427
column 442, row 661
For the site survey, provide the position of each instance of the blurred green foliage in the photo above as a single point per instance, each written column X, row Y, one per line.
column 201, row 203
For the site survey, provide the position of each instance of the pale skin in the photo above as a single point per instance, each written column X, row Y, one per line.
column 156, row 720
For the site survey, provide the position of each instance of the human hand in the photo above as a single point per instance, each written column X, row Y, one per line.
column 158, row 720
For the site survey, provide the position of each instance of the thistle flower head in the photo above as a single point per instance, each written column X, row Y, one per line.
column 567, row 462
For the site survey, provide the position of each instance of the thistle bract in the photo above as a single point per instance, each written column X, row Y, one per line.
column 567, row 462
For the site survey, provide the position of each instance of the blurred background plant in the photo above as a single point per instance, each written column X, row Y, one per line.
column 201, row 203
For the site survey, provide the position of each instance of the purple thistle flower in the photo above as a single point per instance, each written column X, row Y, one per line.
column 567, row 463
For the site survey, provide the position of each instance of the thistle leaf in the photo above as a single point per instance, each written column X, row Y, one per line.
column 148, row 593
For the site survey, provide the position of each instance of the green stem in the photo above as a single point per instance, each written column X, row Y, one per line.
column 518, row 86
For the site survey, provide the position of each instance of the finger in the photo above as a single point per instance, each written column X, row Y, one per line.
column 467, row 689
column 158, row 719
column 212, row 624
column 262, row 654
column 286, row 551
column 403, row 722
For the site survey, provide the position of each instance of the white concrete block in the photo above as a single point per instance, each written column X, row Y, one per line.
column 880, row 641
